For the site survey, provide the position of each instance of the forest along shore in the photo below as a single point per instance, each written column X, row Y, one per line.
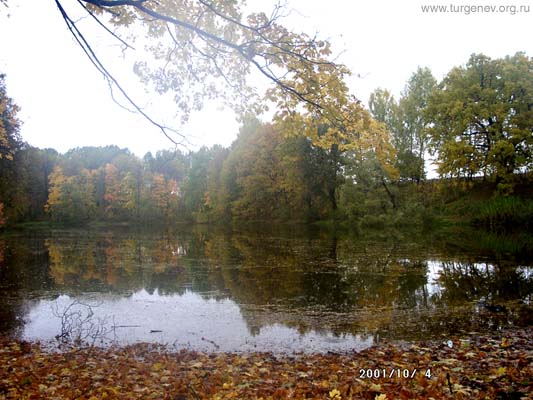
column 498, row 366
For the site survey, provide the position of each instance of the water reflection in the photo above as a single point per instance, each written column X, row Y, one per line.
column 185, row 321
column 262, row 290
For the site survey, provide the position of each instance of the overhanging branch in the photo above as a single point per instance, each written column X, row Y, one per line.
column 243, row 49
column 89, row 52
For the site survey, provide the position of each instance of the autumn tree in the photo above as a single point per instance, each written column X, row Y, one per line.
column 9, row 143
column 112, row 195
column 71, row 198
column 311, row 177
column 482, row 119
column 208, row 49
column 269, row 176
column 259, row 176
column 164, row 197
column 55, row 197
column 251, row 178
column 9, row 123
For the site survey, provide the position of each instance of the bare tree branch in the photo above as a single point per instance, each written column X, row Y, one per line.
column 108, row 76
column 103, row 26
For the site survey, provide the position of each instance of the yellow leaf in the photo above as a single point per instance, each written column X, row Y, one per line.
column 157, row 367
column 113, row 390
column 375, row 388
column 506, row 342
column 381, row 397
column 501, row 371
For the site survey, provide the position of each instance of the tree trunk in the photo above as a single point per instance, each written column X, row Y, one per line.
column 391, row 195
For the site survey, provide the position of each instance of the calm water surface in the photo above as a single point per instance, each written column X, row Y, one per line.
column 276, row 290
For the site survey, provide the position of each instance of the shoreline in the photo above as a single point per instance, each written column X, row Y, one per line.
column 477, row 366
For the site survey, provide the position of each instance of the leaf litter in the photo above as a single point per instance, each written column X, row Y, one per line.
column 492, row 366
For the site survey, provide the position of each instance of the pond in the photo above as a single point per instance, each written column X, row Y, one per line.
column 292, row 289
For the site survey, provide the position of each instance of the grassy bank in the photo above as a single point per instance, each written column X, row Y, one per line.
column 475, row 367
column 477, row 203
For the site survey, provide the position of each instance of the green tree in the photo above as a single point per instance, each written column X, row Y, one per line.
column 28, row 174
column 412, row 137
column 405, row 121
column 482, row 119
column 227, row 191
column 215, row 200
column 40, row 163
column 90, row 157
column 195, row 185
column 14, row 187
column 87, row 193
column 384, row 108
column 172, row 164
column 130, row 187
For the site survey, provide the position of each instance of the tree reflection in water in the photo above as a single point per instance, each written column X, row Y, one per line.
column 335, row 284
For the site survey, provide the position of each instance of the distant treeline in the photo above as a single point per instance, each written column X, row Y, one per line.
column 262, row 177
column 477, row 123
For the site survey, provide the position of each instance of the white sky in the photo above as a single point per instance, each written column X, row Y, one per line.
column 66, row 103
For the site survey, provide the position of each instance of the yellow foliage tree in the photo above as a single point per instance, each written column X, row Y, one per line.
column 9, row 123
column 56, row 181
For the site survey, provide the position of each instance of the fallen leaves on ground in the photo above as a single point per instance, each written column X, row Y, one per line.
column 478, row 367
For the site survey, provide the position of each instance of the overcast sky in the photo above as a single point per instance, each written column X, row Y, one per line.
column 66, row 103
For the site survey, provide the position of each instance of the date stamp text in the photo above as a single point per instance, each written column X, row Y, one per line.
column 392, row 373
